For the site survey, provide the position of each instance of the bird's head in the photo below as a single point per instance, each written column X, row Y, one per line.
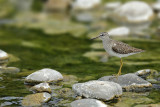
column 102, row 36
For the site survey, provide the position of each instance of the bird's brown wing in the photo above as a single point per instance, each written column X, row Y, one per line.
column 123, row 48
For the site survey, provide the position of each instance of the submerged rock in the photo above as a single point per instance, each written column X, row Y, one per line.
column 3, row 58
column 88, row 103
column 42, row 87
column 44, row 75
column 69, row 80
column 119, row 31
column 129, row 82
column 147, row 73
column 98, row 89
column 9, row 70
column 135, row 14
column 36, row 99
column 65, row 93
column 151, row 76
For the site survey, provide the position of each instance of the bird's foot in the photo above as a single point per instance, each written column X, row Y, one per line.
column 119, row 73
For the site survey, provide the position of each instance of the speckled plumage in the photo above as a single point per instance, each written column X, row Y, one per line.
column 123, row 48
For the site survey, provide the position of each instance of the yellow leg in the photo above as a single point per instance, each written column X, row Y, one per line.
column 119, row 72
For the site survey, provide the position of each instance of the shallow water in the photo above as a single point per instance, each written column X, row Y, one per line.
column 34, row 50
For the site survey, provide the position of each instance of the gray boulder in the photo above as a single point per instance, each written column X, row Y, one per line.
column 129, row 82
column 42, row 87
column 104, row 90
column 88, row 103
column 44, row 75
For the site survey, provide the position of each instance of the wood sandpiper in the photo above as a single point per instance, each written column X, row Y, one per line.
column 117, row 48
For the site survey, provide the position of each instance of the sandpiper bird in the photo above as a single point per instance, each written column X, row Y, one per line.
column 117, row 48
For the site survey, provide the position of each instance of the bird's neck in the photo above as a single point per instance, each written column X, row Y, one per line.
column 106, row 40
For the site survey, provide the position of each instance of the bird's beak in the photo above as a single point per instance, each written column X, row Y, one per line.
column 95, row 37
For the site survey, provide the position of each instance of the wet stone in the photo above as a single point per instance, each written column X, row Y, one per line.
column 148, row 74
column 129, row 82
column 88, row 103
column 44, row 75
column 36, row 99
column 104, row 90
column 42, row 87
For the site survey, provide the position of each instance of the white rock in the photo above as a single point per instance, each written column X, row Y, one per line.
column 112, row 5
column 44, row 75
column 85, row 4
column 98, row 89
column 119, row 31
column 88, row 103
column 3, row 54
column 156, row 6
column 134, row 11
column 42, row 87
